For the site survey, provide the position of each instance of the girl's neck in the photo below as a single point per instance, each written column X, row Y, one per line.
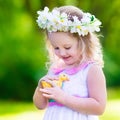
column 61, row 65
column 74, row 65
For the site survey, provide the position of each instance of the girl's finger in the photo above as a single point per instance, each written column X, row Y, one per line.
column 44, row 90
column 53, row 83
column 52, row 78
column 47, row 95
column 45, row 78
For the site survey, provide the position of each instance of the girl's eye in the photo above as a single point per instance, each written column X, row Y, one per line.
column 56, row 48
column 67, row 48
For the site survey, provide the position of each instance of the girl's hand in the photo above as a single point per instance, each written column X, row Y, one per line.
column 55, row 92
column 46, row 78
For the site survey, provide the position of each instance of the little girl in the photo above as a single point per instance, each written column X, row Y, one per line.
column 75, row 51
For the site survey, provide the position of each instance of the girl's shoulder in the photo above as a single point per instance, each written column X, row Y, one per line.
column 95, row 70
column 90, row 66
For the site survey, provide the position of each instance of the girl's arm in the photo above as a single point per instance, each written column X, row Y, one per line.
column 39, row 100
column 96, row 102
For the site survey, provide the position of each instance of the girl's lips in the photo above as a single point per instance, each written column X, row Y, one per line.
column 66, row 58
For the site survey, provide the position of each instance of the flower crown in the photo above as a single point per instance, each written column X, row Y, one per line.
column 55, row 21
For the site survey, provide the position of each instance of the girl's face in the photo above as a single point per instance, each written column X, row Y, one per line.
column 66, row 47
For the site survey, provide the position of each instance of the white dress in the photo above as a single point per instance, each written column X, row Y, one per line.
column 76, row 86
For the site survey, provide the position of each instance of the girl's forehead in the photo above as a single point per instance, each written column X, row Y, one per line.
column 61, row 37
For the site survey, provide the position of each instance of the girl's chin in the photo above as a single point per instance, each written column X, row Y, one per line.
column 71, row 63
column 68, row 63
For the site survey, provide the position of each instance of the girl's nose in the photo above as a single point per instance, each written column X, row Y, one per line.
column 62, row 52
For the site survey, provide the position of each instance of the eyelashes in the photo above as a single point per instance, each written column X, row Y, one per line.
column 67, row 48
column 56, row 48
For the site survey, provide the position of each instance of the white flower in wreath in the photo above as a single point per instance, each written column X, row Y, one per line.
column 55, row 21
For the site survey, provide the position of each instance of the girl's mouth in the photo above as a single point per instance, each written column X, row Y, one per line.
column 66, row 58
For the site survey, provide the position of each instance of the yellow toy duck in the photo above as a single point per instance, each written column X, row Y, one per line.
column 58, row 82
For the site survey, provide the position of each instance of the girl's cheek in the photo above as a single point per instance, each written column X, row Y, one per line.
column 57, row 53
